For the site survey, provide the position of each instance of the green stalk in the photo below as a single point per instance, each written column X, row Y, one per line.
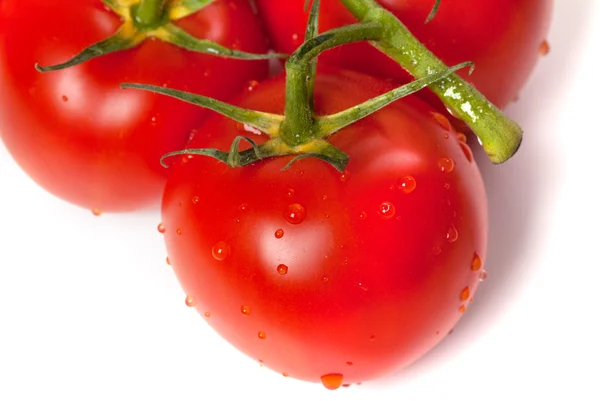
column 149, row 13
column 499, row 135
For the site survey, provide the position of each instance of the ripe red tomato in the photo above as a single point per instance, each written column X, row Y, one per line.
column 80, row 136
column 504, row 38
column 328, row 276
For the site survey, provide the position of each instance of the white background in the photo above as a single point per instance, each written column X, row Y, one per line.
column 90, row 311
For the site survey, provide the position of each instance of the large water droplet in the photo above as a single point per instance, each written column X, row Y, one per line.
column 279, row 233
column 282, row 269
column 196, row 200
column 387, row 210
column 161, row 228
column 332, row 381
column 220, row 251
column 189, row 301
column 295, row 213
column 476, row 263
column 446, row 164
column 465, row 294
column 262, row 335
column 245, row 310
column 452, row 234
column 407, row 184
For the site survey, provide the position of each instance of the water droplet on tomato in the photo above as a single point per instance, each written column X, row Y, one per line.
column 452, row 234
column 544, row 48
column 324, row 197
column 295, row 213
column 282, row 269
column 372, row 338
column 446, row 164
column 178, row 231
column 387, row 210
column 96, row 212
column 295, row 39
column 245, row 310
column 349, row 363
column 476, row 263
column 332, row 381
column 279, row 233
column 362, row 215
column 161, row 228
column 243, row 207
column 189, row 301
column 447, row 186
column 461, row 137
column 207, row 314
column 362, row 287
column 325, row 279
column 437, row 250
column 290, row 192
column 467, row 151
column 196, row 200
column 462, row 309
column 262, row 335
column 284, row 374
column 465, row 294
column 483, row 276
column 407, row 184
column 220, row 251
column 252, row 85
column 344, row 177
column 65, row 98
column 442, row 121
column 168, row 261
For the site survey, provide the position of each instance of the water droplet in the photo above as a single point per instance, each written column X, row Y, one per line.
column 279, row 233
column 483, row 276
column 362, row 215
column 446, row 164
column 252, row 85
column 452, row 234
column 245, row 310
column 349, row 363
column 544, row 48
column 189, row 301
column 284, row 374
column 325, row 279
column 324, row 197
column 207, row 314
column 462, row 309
column 344, row 177
column 437, row 250
column 387, row 210
column 220, row 251
column 153, row 120
column 282, row 269
column 96, row 212
column 372, row 338
column 161, row 228
column 196, row 200
column 295, row 213
column 332, row 381
column 178, row 231
column 243, row 207
column 461, row 137
column 465, row 294
column 447, row 186
column 467, row 151
column 362, row 287
column 476, row 263
column 296, row 39
column 262, row 335
column 407, row 184
column 168, row 260
column 290, row 192
column 442, row 121
column 65, row 98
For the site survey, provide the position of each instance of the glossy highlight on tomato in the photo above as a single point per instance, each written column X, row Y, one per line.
column 80, row 136
column 325, row 276
column 504, row 38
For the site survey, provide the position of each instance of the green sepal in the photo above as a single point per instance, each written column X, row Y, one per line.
column 234, row 158
column 433, row 12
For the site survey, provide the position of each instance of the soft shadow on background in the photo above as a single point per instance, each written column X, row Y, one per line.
column 516, row 190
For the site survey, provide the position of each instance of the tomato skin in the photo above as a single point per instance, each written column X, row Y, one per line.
column 502, row 37
column 80, row 136
column 342, row 285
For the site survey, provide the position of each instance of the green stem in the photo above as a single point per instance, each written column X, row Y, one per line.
column 149, row 13
column 299, row 126
column 499, row 135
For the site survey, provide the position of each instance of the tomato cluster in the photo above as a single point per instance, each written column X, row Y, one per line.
column 320, row 274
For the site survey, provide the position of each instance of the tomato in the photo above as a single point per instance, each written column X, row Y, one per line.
column 504, row 38
column 328, row 276
column 80, row 136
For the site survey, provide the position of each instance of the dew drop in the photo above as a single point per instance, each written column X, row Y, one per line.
column 462, row 309
column 332, row 381
column 96, row 212
column 476, row 263
column 161, row 228
column 296, row 39
column 262, row 335
column 168, row 260
column 290, row 192
column 544, row 48
column 446, row 164
column 325, row 279
column 372, row 338
column 295, row 213
column 245, row 310
column 461, row 137
column 252, row 85
column 325, row 197
column 279, row 233
column 344, row 177
column 207, row 314
column 483, row 276
column 189, row 301
column 178, row 231
column 196, row 200
column 452, row 234
column 220, row 251
column 65, row 98
column 387, row 210
column 284, row 374
column 465, row 294
column 407, row 184
column 243, row 207
column 282, row 269
column 467, row 151
column 349, row 363
column 442, row 121
column 447, row 186
column 362, row 215
column 437, row 250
